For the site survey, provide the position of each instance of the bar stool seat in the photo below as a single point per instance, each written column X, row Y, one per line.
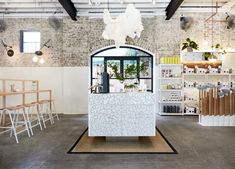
column 15, row 122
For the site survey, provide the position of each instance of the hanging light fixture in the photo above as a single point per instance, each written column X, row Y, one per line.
column 89, row 2
column 126, row 24
column 8, row 48
column 41, row 60
column 39, row 52
column 35, row 59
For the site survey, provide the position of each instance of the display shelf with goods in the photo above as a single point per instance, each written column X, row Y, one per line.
column 170, row 89
column 197, row 72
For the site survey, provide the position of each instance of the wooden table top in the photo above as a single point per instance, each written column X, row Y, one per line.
column 23, row 92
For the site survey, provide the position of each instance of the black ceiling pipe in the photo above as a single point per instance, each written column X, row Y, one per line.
column 172, row 8
column 68, row 5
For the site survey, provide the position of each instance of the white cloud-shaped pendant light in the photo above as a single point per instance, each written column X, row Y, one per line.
column 126, row 24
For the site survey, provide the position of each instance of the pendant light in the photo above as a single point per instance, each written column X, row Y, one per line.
column 8, row 48
column 41, row 60
column 35, row 59
column 39, row 52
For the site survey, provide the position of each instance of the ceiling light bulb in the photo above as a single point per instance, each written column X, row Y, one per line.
column 122, row 2
column 153, row 2
column 35, row 59
column 41, row 61
column 97, row 2
column 89, row 2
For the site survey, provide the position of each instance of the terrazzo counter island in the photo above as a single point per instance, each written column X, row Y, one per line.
column 122, row 114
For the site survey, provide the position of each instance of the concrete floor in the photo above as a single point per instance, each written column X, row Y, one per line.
column 199, row 148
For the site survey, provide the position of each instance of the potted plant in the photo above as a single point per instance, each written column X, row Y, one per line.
column 218, row 48
column 207, row 55
column 190, row 45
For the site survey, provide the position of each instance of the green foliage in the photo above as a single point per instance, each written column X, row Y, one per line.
column 131, row 70
column 218, row 46
column 190, row 43
column 207, row 55
column 114, row 68
column 130, row 86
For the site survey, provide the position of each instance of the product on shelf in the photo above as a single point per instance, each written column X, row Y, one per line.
column 171, row 109
column 189, row 98
column 166, row 73
column 209, row 70
column 170, row 60
column 173, row 96
column 200, row 70
column 171, row 87
column 191, row 109
column 189, row 84
column 188, row 70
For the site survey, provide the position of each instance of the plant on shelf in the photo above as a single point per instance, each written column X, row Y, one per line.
column 190, row 45
column 210, row 56
column 218, row 48
column 207, row 55
column 130, row 86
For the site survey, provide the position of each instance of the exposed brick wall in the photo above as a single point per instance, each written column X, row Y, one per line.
column 74, row 41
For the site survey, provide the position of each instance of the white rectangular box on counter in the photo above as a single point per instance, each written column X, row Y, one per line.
column 122, row 114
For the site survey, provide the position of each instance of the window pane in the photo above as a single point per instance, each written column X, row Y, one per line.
column 31, row 36
column 31, row 47
column 130, row 68
column 97, row 63
column 111, row 64
column 145, row 67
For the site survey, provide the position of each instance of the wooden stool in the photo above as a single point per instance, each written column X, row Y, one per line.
column 53, row 109
column 31, row 109
column 8, row 128
column 15, row 110
column 45, row 112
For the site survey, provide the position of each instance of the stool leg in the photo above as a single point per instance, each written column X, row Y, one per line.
column 28, row 120
column 13, row 129
column 41, row 114
column 26, row 124
column 54, row 108
column 38, row 116
column 49, row 112
column 1, row 113
column 13, row 121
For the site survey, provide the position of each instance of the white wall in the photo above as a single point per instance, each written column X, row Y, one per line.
column 229, row 60
column 69, row 85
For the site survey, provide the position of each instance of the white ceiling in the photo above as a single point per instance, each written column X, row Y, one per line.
column 148, row 8
column 42, row 8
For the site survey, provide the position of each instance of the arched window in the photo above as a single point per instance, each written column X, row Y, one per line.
column 132, row 64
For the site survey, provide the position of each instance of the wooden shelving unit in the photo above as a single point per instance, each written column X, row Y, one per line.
column 5, row 93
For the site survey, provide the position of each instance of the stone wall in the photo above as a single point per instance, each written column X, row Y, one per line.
column 11, row 36
column 74, row 41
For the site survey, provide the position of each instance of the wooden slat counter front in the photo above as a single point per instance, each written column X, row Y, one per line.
column 23, row 93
